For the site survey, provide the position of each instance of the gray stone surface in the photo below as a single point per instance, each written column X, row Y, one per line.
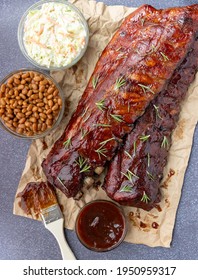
column 22, row 238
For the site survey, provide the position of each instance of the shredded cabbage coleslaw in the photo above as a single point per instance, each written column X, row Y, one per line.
column 54, row 35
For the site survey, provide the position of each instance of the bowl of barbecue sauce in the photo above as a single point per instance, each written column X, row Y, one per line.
column 101, row 225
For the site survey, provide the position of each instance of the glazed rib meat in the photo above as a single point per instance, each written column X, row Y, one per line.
column 133, row 69
column 135, row 173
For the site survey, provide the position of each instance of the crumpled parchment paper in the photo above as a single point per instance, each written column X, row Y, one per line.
column 152, row 228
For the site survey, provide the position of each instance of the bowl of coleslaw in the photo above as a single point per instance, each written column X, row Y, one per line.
column 53, row 34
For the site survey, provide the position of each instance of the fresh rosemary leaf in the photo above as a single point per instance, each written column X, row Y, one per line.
column 142, row 20
column 130, row 175
column 101, row 151
column 102, row 125
column 84, row 133
column 145, row 198
column 134, row 148
column 106, row 141
column 146, row 88
column 117, row 118
column 84, row 113
column 85, row 119
column 118, row 49
column 121, row 55
column 67, row 143
column 152, row 50
column 82, row 162
column 100, row 105
column 95, row 81
column 165, row 143
column 164, row 56
column 126, row 189
column 119, row 83
column 129, row 107
column 148, row 159
column 128, row 154
column 144, row 137
column 150, row 176
column 60, row 181
column 85, row 168
column 157, row 111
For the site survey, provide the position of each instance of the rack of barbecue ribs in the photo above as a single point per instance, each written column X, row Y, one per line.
column 133, row 96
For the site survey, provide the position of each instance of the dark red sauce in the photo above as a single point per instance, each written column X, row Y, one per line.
column 100, row 225
column 155, row 225
column 143, row 225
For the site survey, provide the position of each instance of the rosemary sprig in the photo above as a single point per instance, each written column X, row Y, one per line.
column 130, row 175
column 85, row 119
column 144, row 137
column 100, row 105
column 157, row 111
column 84, row 133
column 127, row 154
column 60, row 181
column 84, row 113
column 142, row 20
column 101, row 151
column 164, row 56
column 145, row 198
column 148, row 159
column 67, row 143
column 121, row 55
column 126, row 189
column 150, row 176
column 152, row 50
column 134, row 148
column 102, row 125
column 146, row 88
column 119, row 83
column 118, row 49
column 165, row 143
column 129, row 107
column 95, row 81
column 117, row 118
column 84, row 167
column 106, row 141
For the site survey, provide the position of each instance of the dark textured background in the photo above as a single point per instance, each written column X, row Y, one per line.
column 22, row 238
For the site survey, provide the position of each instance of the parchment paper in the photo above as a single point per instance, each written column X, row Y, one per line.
column 103, row 22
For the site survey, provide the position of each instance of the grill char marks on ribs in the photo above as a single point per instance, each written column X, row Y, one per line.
column 131, row 72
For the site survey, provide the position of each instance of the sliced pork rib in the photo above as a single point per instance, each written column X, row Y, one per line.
column 135, row 173
column 132, row 70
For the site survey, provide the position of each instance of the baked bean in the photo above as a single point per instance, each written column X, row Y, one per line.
column 37, row 78
column 20, row 116
column 30, row 107
column 16, row 81
column 24, row 110
column 28, row 113
column 55, row 107
column 3, row 88
column 20, row 87
column 34, row 127
column 25, row 75
column 33, row 119
column 34, row 109
column 50, row 103
column 22, row 120
column 25, row 91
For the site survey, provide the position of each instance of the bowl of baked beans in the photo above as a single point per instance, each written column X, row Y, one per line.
column 31, row 103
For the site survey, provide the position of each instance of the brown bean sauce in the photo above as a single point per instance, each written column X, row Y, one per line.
column 100, row 225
